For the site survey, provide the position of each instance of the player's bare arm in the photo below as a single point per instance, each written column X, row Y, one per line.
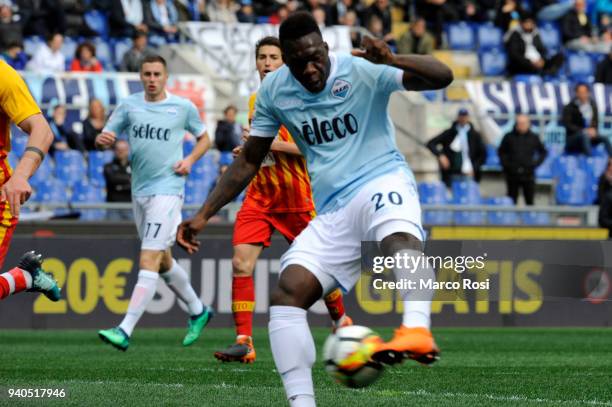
column 17, row 189
column 183, row 167
column 231, row 183
column 280, row 146
column 421, row 72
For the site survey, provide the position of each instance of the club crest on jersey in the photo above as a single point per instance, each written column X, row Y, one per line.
column 172, row 111
column 340, row 89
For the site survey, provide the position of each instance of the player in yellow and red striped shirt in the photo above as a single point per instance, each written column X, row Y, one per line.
column 279, row 197
column 18, row 106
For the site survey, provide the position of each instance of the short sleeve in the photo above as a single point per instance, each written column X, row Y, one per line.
column 194, row 124
column 265, row 123
column 118, row 121
column 15, row 98
column 387, row 78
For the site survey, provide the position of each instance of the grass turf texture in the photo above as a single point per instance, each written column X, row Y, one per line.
column 513, row 367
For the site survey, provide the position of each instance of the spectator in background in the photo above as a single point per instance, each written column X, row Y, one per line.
column 603, row 72
column 460, row 150
column 526, row 52
column 319, row 15
column 521, row 151
column 118, row 174
column 11, row 31
column 551, row 10
column 85, row 59
column 473, row 12
column 605, row 199
column 508, row 14
column 64, row 138
column 604, row 186
column 280, row 15
column 15, row 57
column 222, row 11
column 246, row 14
column 340, row 10
column 312, row 5
column 126, row 18
column 161, row 17
column 42, row 17
column 581, row 121
column 75, row 22
column 382, row 10
column 578, row 32
column 375, row 27
column 437, row 13
column 48, row 58
column 416, row 40
column 350, row 20
column 133, row 58
column 228, row 133
column 93, row 124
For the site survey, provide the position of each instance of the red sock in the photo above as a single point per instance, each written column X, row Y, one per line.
column 12, row 282
column 243, row 304
column 334, row 304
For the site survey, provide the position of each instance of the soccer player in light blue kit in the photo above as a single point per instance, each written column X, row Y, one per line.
column 155, row 123
column 336, row 108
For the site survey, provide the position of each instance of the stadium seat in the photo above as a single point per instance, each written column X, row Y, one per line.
column 536, row 218
column 492, row 161
column 96, row 162
column 43, row 173
column 13, row 159
column 97, row 21
column 579, row 66
column 103, row 52
column 489, row 37
column 594, row 166
column 50, row 191
column 549, row 33
column 70, row 166
column 565, row 165
column 69, row 47
column 19, row 141
column 188, row 146
column 501, row 217
column 432, row 193
column 226, row 158
column 461, row 37
column 157, row 40
column 530, row 79
column 466, row 192
column 574, row 188
column 493, row 62
column 31, row 44
column 84, row 192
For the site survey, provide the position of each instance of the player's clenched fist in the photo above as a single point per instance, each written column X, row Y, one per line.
column 105, row 140
column 187, row 233
column 374, row 50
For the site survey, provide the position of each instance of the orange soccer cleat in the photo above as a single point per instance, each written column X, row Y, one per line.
column 408, row 343
column 241, row 351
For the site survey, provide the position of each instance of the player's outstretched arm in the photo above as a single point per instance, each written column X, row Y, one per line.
column 230, row 185
column 421, row 72
column 17, row 189
column 183, row 167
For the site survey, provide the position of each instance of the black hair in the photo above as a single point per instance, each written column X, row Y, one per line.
column 138, row 33
column 298, row 25
column 230, row 107
column 579, row 84
column 154, row 58
column 267, row 41
column 82, row 46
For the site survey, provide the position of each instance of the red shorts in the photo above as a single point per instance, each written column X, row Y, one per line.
column 256, row 227
column 7, row 221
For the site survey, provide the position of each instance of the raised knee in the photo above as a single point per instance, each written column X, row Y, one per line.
column 282, row 296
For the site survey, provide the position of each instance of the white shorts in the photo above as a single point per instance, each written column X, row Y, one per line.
column 157, row 219
column 330, row 246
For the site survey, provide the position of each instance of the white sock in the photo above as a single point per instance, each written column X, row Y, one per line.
column 178, row 281
column 417, row 302
column 141, row 296
column 294, row 353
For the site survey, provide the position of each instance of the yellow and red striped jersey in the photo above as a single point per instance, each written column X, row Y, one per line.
column 16, row 104
column 282, row 184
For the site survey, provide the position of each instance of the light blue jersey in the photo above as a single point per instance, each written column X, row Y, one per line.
column 155, row 131
column 344, row 131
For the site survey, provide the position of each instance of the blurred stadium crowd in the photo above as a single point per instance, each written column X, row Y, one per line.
column 530, row 41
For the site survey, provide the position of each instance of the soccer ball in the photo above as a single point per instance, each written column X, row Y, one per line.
column 346, row 354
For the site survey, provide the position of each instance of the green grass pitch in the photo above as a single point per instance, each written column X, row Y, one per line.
column 510, row 367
